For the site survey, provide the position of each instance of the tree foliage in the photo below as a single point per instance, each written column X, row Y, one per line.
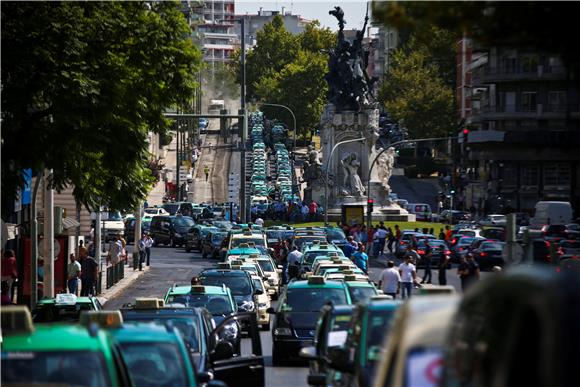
column 289, row 70
column 83, row 83
column 417, row 93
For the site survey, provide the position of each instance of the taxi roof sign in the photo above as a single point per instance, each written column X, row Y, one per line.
column 236, row 267
column 198, row 289
column 254, row 255
column 378, row 297
column 147, row 303
column 103, row 318
column 65, row 299
column 333, row 254
column 224, row 265
column 323, row 245
column 348, row 272
column 16, row 319
column 316, row 280
column 350, row 277
column 243, row 245
column 343, row 268
column 237, row 262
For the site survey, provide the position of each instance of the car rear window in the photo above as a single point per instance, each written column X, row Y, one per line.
column 491, row 246
column 570, row 244
column 313, row 299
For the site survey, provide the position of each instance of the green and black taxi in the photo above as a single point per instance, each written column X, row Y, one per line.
column 360, row 288
column 58, row 354
column 331, row 331
column 65, row 307
column 207, row 341
column 310, row 252
column 155, row 354
column 297, row 312
column 239, row 283
column 354, row 363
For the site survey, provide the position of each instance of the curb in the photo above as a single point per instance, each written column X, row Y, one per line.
column 121, row 285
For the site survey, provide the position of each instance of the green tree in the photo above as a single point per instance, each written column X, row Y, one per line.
column 83, row 83
column 414, row 93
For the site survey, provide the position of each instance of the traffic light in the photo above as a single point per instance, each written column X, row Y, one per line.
column 465, row 132
column 370, row 205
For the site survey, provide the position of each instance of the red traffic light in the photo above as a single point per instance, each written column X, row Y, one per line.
column 370, row 201
column 465, row 131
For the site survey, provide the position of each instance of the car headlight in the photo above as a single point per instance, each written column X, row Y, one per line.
column 262, row 305
column 282, row 332
column 247, row 306
column 230, row 331
column 177, row 235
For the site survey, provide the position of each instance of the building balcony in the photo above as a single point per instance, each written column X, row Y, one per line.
column 522, row 112
column 528, row 138
column 488, row 74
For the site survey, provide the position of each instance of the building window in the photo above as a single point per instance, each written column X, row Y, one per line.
column 529, row 124
column 557, row 174
column 530, row 64
column 508, row 65
column 529, row 101
column 556, row 101
column 530, row 175
column 509, row 174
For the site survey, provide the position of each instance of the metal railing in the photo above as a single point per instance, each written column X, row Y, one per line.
column 115, row 273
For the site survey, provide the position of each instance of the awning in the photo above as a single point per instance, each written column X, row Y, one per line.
column 68, row 223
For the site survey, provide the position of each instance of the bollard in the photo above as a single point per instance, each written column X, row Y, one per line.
column 135, row 260
column 121, row 270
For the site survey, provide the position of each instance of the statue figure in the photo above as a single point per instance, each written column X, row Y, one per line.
column 350, row 87
column 386, row 165
column 312, row 168
column 352, row 181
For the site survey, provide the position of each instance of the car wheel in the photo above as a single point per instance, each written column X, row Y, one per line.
column 187, row 249
column 171, row 242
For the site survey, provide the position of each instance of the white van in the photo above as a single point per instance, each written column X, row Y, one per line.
column 422, row 211
column 552, row 213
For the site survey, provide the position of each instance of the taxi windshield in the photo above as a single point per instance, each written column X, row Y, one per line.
column 55, row 367
column 183, row 221
column 49, row 313
column 335, row 234
column 238, row 241
column 378, row 325
column 154, row 364
column 217, row 304
column 311, row 255
column 266, row 265
column 361, row 293
column 313, row 299
column 218, row 237
column 301, row 240
column 258, row 284
column 239, row 285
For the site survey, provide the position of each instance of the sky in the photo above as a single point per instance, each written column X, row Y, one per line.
column 354, row 10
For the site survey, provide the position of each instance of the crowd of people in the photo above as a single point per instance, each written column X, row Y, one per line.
column 289, row 211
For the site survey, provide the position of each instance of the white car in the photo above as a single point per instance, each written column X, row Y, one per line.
column 263, row 303
column 152, row 211
column 493, row 220
column 273, row 273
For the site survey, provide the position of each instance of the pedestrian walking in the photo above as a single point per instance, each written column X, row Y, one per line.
column 468, row 271
column 442, row 274
column 73, row 272
column 370, row 240
column 391, row 240
column 408, row 274
column 360, row 258
column 448, row 234
column 148, row 246
column 115, row 250
column 5, row 298
column 427, row 263
column 304, row 210
column 283, row 259
column 381, row 235
column 142, row 246
column 294, row 262
column 313, row 209
column 398, row 236
column 206, row 171
column 89, row 274
column 390, row 280
column 349, row 248
column 363, row 236
column 9, row 271
column 441, row 235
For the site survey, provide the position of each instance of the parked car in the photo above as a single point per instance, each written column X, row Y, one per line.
column 461, row 248
column 170, row 230
column 112, row 225
column 453, row 216
column 439, row 250
column 130, row 228
column 211, row 244
column 549, row 212
column 422, row 211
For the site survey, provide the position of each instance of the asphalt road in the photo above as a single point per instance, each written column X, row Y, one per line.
column 174, row 265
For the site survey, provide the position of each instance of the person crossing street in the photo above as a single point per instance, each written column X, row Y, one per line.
column 206, row 171
column 148, row 245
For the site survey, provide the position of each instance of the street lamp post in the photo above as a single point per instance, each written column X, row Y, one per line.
column 328, row 161
column 291, row 112
column 369, row 214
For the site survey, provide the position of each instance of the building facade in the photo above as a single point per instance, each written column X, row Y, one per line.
column 522, row 113
column 253, row 23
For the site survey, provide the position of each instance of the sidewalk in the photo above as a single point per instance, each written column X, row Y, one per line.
column 130, row 277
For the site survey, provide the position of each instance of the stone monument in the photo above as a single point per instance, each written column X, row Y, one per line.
column 351, row 113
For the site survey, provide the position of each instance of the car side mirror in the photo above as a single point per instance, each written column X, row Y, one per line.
column 271, row 310
column 223, row 350
column 308, row 353
column 279, row 271
column 204, row 377
column 258, row 292
column 271, row 251
column 339, row 360
column 280, row 267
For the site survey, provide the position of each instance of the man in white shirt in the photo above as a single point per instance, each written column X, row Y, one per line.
column 381, row 236
column 408, row 276
column 390, row 280
column 115, row 249
column 293, row 262
column 259, row 222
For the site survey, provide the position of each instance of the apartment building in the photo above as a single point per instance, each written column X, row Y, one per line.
column 522, row 110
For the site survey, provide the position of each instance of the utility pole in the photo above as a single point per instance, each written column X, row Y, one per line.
column 177, row 190
column 244, row 128
column 48, row 252
column 137, row 237
column 97, row 242
column 34, row 244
